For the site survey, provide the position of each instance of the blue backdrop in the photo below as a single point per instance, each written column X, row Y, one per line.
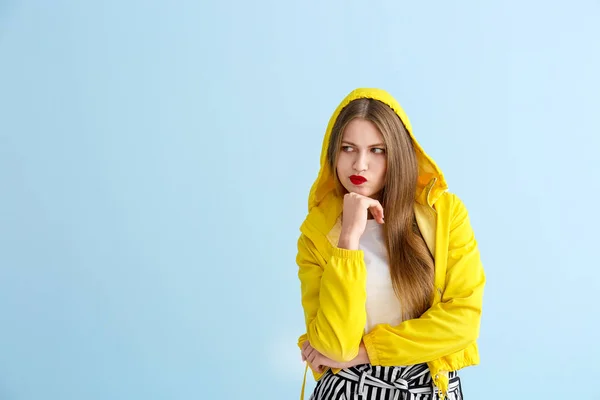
column 155, row 162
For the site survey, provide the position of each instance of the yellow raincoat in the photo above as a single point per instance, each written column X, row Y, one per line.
column 333, row 279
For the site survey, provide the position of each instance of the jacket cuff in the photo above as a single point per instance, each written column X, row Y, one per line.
column 356, row 255
column 371, row 350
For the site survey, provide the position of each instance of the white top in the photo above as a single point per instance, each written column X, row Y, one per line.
column 383, row 306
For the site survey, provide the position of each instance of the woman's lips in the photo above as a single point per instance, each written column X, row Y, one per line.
column 357, row 180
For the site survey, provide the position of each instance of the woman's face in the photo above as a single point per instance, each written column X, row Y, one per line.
column 362, row 162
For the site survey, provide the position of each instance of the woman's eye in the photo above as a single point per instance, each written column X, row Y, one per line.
column 379, row 150
column 346, row 148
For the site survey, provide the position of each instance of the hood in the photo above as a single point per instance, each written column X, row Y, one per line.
column 431, row 183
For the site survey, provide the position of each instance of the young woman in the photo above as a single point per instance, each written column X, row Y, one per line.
column 390, row 272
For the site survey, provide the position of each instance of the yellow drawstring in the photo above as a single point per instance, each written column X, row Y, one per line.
column 440, row 380
column 303, row 383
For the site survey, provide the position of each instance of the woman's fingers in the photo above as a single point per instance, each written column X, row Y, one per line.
column 303, row 351
column 313, row 357
column 314, row 361
column 306, row 349
column 377, row 211
column 375, row 208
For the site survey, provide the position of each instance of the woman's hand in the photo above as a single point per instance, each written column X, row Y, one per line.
column 354, row 219
column 318, row 362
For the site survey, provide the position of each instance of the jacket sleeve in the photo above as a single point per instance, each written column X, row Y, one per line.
column 451, row 324
column 333, row 298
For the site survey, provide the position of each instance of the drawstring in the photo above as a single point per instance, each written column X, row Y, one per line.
column 440, row 385
column 303, row 383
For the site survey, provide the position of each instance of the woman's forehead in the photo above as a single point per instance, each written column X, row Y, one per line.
column 362, row 133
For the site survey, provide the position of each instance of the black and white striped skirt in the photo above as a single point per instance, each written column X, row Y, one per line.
column 368, row 382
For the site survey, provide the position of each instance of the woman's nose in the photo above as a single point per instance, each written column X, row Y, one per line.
column 360, row 164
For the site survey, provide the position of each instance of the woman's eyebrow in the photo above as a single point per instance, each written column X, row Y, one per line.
column 373, row 145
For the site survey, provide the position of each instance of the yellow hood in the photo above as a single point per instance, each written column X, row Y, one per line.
column 431, row 183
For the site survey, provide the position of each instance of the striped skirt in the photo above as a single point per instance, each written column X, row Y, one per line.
column 368, row 382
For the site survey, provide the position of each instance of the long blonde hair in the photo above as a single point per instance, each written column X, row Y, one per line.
column 411, row 263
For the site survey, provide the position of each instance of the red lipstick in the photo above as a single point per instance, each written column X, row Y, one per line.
column 357, row 180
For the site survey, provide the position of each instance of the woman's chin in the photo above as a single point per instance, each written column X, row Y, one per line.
column 363, row 191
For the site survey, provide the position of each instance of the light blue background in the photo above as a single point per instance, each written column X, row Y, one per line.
column 156, row 157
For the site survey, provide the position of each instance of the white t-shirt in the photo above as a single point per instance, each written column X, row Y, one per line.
column 383, row 306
